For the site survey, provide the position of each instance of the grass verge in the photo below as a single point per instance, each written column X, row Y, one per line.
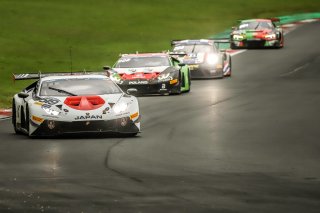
column 36, row 35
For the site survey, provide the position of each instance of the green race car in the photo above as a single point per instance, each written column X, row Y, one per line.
column 151, row 73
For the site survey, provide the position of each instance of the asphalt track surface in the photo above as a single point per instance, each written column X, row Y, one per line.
column 249, row 143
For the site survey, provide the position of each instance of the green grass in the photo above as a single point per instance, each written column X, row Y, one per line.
column 37, row 34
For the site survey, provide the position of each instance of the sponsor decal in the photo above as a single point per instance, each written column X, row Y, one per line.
column 88, row 116
column 37, row 119
column 38, row 103
column 105, row 110
column 134, row 115
column 50, row 101
column 138, row 82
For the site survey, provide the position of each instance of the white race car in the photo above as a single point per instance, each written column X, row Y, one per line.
column 60, row 103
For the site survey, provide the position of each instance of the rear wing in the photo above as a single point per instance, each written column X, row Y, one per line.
column 178, row 53
column 191, row 41
column 222, row 44
column 30, row 76
column 275, row 19
column 176, row 41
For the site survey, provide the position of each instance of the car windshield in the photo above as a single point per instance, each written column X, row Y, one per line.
column 79, row 87
column 255, row 25
column 136, row 62
column 194, row 48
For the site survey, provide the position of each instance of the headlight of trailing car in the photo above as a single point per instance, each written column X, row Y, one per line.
column 270, row 36
column 120, row 107
column 212, row 59
column 115, row 77
column 238, row 37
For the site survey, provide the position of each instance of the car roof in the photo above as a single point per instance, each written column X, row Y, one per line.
column 144, row 55
column 261, row 20
column 86, row 76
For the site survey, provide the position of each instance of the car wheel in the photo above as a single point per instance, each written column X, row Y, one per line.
column 14, row 117
column 177, row 89
column 27, row 117
column 233, row 46
column 189, row 81
column 230, row 67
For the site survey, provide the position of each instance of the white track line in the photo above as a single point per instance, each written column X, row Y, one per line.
column 295, row 70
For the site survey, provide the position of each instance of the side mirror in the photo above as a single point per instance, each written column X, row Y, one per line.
column 132, row 91
column 106, row 67
column 23, row 95
column 233, row 28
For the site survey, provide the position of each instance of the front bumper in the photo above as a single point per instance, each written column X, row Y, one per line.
column 52, row 128
column 198, row 71
column 257, row 43
column 152, row 87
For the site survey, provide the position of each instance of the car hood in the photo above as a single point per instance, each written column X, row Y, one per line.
column 140, row 70
column 77, row 103
column 140, row 73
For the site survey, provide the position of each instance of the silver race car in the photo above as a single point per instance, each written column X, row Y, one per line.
column 60, row 103
column 205, row 57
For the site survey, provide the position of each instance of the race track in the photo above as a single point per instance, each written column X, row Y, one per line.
column 249, row 143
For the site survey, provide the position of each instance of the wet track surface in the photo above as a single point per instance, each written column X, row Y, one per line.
column 249, row 143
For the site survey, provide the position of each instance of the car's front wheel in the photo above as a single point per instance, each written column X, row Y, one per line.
column 14, row 117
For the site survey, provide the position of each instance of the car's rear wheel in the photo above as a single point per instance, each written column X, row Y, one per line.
column 230, row 66
column 189, row 81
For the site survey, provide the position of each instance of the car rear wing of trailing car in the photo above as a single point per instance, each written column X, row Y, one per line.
column 30, row 76
column 222, row 44
column 191, row 42
column 275, row 19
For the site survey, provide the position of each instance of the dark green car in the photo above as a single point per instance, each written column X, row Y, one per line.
column 151, row 73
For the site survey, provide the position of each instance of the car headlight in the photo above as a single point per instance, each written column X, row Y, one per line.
column 51, row 111
column 212, row 59
column 270, row 36
column 238, row 37
column 116, row 78
column 120, row 107
column 165, row 77
column 200, row 57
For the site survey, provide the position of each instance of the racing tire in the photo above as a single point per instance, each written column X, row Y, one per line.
column 14, row 118
column 177, row 90
column 230, row 63
column 189, row 80
column 279, row 44
column 27, row 117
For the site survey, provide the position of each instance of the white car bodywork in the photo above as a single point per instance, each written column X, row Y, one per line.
column 36, row 114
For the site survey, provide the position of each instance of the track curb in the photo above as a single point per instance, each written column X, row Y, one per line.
column 5, row 113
